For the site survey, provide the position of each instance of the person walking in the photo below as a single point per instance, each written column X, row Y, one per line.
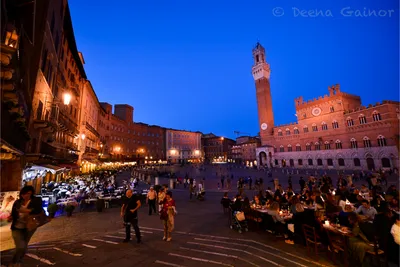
column 151, row 200
column 26, row 205
column 168, row 213
column 130, row 216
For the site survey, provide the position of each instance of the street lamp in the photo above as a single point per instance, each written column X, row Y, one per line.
column 67, row 98
column 12, row 37
column 83, row 136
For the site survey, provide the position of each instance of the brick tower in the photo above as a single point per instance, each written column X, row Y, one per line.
column 261, row 73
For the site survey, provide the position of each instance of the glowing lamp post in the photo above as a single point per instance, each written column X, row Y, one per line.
column 67, row 98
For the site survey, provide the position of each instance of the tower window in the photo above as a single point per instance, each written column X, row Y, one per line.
column 257, row 58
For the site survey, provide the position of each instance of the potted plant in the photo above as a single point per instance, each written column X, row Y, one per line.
column 69, row 209
column 52, row 209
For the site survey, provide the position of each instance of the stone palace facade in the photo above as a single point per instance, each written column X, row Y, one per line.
column 333, row 131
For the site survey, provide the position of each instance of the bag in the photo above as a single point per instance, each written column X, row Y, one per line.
column 240, row 216
column 36, row 220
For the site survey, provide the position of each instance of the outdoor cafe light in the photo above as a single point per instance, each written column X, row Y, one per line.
column 83, row 136
column 67, row 98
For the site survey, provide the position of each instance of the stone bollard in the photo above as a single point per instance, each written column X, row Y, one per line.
column 156, row 181
column 171, row 183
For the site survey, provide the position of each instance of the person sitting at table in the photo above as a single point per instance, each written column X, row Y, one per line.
column 237, row 204
column 225, row 202
column 364, row 189
column 280, row 222
column 394, row 204
column 358, row 244
column 344, row 214
column 366, row 210
column 301, row 218
column 257, row 202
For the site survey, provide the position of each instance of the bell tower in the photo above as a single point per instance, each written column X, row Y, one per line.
column 261, row 73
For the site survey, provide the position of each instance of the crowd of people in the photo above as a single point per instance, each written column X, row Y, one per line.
column 368, row 213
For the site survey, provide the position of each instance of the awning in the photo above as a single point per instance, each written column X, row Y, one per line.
column 45, row 167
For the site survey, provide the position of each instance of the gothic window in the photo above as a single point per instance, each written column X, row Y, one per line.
column 362, row 119
column 329, row 162
column 287, row 131
column 305, row 129
column 353, row 143
column 319, row 162
column 376, row 116
column 357, row 162
column 296, row 130
column 381, row 140
column 314, row 128
column 338, row 144
column 275, row 149
column 317, row 146
column 385, row 163
column 281, row 149
column 289, row 148
column 308, row 147
column 280, row 132
column 298, row 147
column 327, row 145
column 335, row 125
column 324, row 126
column 310, row 162
column 350, row 122
column 341, row 162
column 367, row 142
column 300, row 162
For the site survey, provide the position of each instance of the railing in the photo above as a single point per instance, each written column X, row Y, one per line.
column 92, row 129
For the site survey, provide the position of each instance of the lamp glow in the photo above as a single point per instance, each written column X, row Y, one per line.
column 83, row 136
column 67, row 98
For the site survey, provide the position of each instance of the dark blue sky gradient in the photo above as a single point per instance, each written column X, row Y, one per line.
column 187, row 64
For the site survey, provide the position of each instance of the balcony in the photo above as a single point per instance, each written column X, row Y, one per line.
column 66, row 124
column 92, row 129
column 57, row 153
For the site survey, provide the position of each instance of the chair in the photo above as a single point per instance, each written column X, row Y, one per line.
column 337, row 244
column 312, row 241
column 270, row 223
column 377, row 253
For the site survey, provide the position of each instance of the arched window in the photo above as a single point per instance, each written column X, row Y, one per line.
column 287, row 131
column 305, row 129
column 338, row 144
column 300, row 162
column 324, row 126
column 335, row 125
column 341, row 162
column 353, row 143
column 289, row 147
column 327, row 145
column 332, row 109
column 308, row 147
column 357, row 162
column 281, row 149
column 310, row 162
column 298, row 147
column 317, row 146
column 314, row 127
column 349, row 121
column 385, row 163
column 275, row 149
column 376, row 116
column 329, row 162
column 319, row 162
column 367, row 142
column 381, row 140
column 362, row 119
column 296, row 130
column 280, row 132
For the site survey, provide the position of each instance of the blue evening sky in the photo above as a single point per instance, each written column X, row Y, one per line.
column 187, row 64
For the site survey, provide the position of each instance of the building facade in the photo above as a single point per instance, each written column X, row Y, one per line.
column 124, row 139
column 217, row 148
column 183, row 146
column 244, row 151
column 333, row 131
